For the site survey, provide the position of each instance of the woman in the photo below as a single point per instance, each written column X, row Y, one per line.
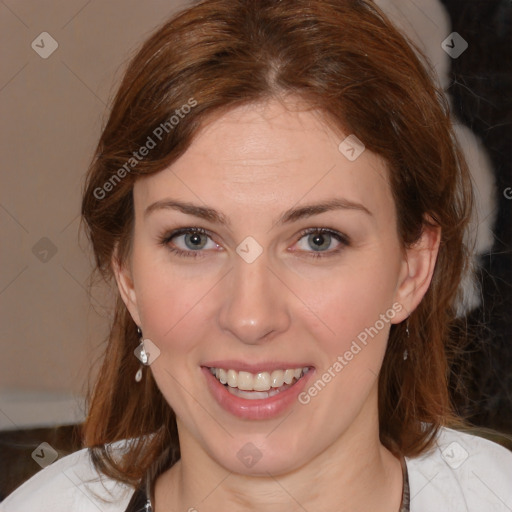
column 280, row 199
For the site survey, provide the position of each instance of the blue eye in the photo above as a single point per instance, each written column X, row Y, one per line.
column 320, row 241
column 194, row 239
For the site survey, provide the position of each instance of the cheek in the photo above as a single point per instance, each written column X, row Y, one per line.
column 173, row 310
column 172, row 303
column 348, row 303
column 354, row 313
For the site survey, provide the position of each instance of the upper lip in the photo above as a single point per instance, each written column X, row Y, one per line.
column 255, row 367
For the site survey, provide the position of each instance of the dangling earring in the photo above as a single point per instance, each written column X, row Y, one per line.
column 406, row 354
column 140, row 352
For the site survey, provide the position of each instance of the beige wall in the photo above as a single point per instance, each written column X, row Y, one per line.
column 51, row 111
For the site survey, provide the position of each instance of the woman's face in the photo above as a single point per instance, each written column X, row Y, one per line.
column 224, row 275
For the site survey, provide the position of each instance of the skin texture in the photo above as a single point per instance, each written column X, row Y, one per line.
column 252, row 164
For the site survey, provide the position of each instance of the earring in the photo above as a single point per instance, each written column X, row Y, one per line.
column 140, row 352
column 406, row 353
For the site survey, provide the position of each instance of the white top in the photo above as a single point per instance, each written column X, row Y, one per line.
column 463, row 473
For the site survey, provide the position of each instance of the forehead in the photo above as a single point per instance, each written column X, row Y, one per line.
column 268, row 157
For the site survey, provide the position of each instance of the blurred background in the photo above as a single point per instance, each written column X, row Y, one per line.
column 61, row 63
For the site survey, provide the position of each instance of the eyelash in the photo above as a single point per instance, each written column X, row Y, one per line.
column 164, row 241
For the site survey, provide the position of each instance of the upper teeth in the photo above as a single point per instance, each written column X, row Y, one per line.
column 261, row 381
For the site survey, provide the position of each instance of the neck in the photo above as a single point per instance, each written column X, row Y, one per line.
column 354, row 474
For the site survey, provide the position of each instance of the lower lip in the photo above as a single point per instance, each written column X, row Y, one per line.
column 258, row 409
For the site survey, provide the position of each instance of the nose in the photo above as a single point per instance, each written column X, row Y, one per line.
column 255, row 302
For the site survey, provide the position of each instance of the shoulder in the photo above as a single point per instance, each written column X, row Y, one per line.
column 71, row 483
column 461, row 472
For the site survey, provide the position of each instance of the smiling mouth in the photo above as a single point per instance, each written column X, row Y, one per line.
column 260, row 385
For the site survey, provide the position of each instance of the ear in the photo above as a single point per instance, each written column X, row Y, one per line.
column 123, row 276
column 417, row 270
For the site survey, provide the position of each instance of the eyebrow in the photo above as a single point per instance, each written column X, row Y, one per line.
column 291, row 215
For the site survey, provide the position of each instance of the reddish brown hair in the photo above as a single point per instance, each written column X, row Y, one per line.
column 344, row 58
